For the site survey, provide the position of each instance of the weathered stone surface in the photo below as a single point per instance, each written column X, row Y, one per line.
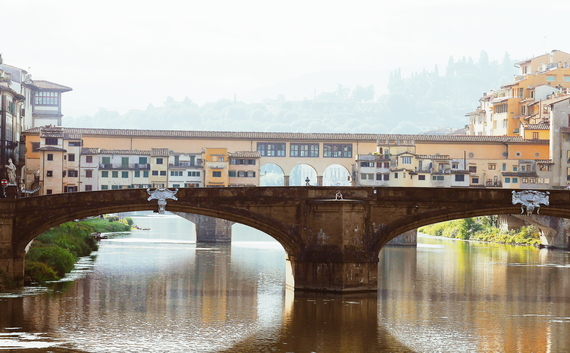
column 332, row 245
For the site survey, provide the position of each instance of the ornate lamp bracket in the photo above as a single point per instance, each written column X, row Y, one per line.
column 161, row 195
column 530, row 199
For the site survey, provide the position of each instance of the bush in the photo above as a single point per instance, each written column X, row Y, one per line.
column 59, row 259
column 39, row 272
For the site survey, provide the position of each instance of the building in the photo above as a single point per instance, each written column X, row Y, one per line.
column 506, row 111
column 24, row 104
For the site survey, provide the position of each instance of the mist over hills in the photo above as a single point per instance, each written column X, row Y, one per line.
column 349, row 101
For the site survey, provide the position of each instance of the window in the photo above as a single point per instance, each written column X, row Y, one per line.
column 232, row 173
column 455, row 165
column 304, row 150
column 115, row 187
column 504, row 167
column 459, row 177
column 142, row 160
column 407, row 160
column 50, row 156
column 49, row 173
column 501, row 108
column 492, row 166
column 115, row 174
column 124, row 174
column 216, row 174
column 46, row 98
column 137, row 173
column 271, row 149
column 550, row 78
column 159, row 161
column 566, row 78
column 35, row 146
column 395, row 175
column 74, row 143
column 71, row 157
column 89, row 159
column 437, row 177
column 337, row 150
column 106, row 160
column 367, row 164
column 421, row 177
column 176, row 173
column 175, row 185
column 475, row 180
column 193, row 174
column 241, row 174
column 72, row 173
column 515, row 168
column 163, row 173
column 535, row 135
column 105, row 174
column 104, row 187
column 88, row 187
column 89, row 173
column 145, row 173
column 155, row 172
column 51, row 141
column 472, row 169
column 49, row 192
column 515, row 180
column 507, row 180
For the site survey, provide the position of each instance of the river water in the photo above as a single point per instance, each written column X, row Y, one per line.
column 158, row 291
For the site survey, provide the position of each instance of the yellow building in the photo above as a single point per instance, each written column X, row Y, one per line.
column 504, row 112
column 216, row 167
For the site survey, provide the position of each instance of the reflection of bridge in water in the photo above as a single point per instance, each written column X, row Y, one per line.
column 331, row 245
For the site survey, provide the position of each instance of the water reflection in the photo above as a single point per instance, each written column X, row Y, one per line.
column 159, row 291
column 476, row 297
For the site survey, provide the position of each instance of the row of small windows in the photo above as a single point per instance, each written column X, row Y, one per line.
column 330, row 150
column 46, row 98
column 241, row 174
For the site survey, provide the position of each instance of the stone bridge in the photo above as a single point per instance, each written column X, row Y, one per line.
column 331, row 245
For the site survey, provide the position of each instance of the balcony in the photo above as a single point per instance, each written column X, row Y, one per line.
column 197, row 164
column 117, row 166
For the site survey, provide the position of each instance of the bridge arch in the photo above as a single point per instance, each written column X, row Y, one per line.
column 271, row 175
column 336, row 175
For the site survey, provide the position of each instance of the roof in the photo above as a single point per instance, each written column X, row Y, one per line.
column 122, row 152
column 536, row 126
column 245, row 154
column 434, row 156
column 41, row 84
column 159, row 152
column 267, row 136
column 52, row 148
column 90, row 151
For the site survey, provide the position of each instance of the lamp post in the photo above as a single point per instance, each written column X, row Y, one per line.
column 307, row 181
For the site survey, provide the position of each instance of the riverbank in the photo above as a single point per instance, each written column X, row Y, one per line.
column 55, row 252
column 483, row 229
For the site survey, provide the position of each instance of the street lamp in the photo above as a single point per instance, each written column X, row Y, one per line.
column 307, row 181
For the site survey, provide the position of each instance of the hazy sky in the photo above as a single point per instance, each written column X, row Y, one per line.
column 124, row 54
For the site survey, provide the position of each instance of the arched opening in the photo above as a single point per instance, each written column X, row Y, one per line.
column 336, row 175
column 271, row 175
column 301, row 173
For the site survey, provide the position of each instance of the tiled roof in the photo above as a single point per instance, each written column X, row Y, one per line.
column 434, row 156
column 260, row 136
column 126, row 152
column 72, row 137
column 90, row 151
column 41, row 84
column 544, row 161
column 52, row 148
column 537, row 126
column 159, row 152
column 245, row 154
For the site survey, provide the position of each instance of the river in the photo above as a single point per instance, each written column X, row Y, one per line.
column 158, row 291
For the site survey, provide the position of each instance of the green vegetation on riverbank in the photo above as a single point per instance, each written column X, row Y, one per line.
column 483, row 229
column 54, row 252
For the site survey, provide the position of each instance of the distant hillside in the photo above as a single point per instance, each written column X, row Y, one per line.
column 340, row 101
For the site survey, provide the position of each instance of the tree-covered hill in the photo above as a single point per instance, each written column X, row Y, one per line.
column 424, row 101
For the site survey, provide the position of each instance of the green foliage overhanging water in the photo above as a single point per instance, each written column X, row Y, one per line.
column 54, row 252
column 483, row 229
